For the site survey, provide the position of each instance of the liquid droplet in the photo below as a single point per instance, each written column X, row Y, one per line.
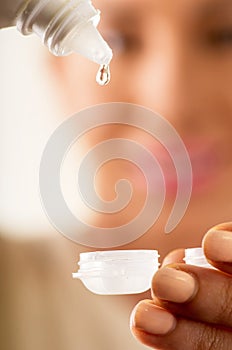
column 103, row 75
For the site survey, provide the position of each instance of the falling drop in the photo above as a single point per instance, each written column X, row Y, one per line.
column 103, row 75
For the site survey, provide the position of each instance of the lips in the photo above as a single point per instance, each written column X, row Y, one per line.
column 205, row 160
column 206, row 164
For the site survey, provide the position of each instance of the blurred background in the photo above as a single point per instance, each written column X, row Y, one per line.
column 28, row 117
column 42, row 307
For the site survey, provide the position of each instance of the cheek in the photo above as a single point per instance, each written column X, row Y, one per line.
column 79, row 86
column 82, row 90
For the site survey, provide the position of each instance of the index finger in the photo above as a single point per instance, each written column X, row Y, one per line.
column 194, row 292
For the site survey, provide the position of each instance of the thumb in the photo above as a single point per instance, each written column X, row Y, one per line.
column 175, row 256
column 217, row 245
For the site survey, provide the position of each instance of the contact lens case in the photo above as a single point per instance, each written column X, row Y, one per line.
column 195, row 256
column 117, row 271
column 126, row 271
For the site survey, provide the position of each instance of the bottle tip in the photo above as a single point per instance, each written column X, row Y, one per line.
column 89, row 43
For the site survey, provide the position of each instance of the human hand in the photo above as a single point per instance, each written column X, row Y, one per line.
column 191, row 307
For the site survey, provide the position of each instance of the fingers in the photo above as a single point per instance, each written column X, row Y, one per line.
column 217, row 245
column 159, row 329
column 174, row 256
column 200, row 299
column 200, row 294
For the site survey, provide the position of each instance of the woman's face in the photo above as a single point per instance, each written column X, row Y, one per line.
column 174, row 57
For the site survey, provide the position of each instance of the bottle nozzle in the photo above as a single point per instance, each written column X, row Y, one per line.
column 89, row 43
column 67, row 26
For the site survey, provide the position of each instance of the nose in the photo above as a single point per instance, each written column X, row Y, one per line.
column 166, row 82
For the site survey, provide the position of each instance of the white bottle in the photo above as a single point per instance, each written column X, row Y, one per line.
column 64, row 26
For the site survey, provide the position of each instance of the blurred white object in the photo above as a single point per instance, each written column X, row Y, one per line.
column 26, row 124
column 118, row 271
column 195, row 256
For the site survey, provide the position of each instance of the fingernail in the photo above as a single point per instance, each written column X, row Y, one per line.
column 174, row 257
column 217, row 245
column 174, row 285
column 152, row 319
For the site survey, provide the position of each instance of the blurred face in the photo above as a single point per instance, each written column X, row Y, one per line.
column 174, row 57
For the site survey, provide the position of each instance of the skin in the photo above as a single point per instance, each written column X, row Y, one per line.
column 186, row 47
column 203, row 320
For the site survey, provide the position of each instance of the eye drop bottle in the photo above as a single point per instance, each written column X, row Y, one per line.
column 64, row 26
